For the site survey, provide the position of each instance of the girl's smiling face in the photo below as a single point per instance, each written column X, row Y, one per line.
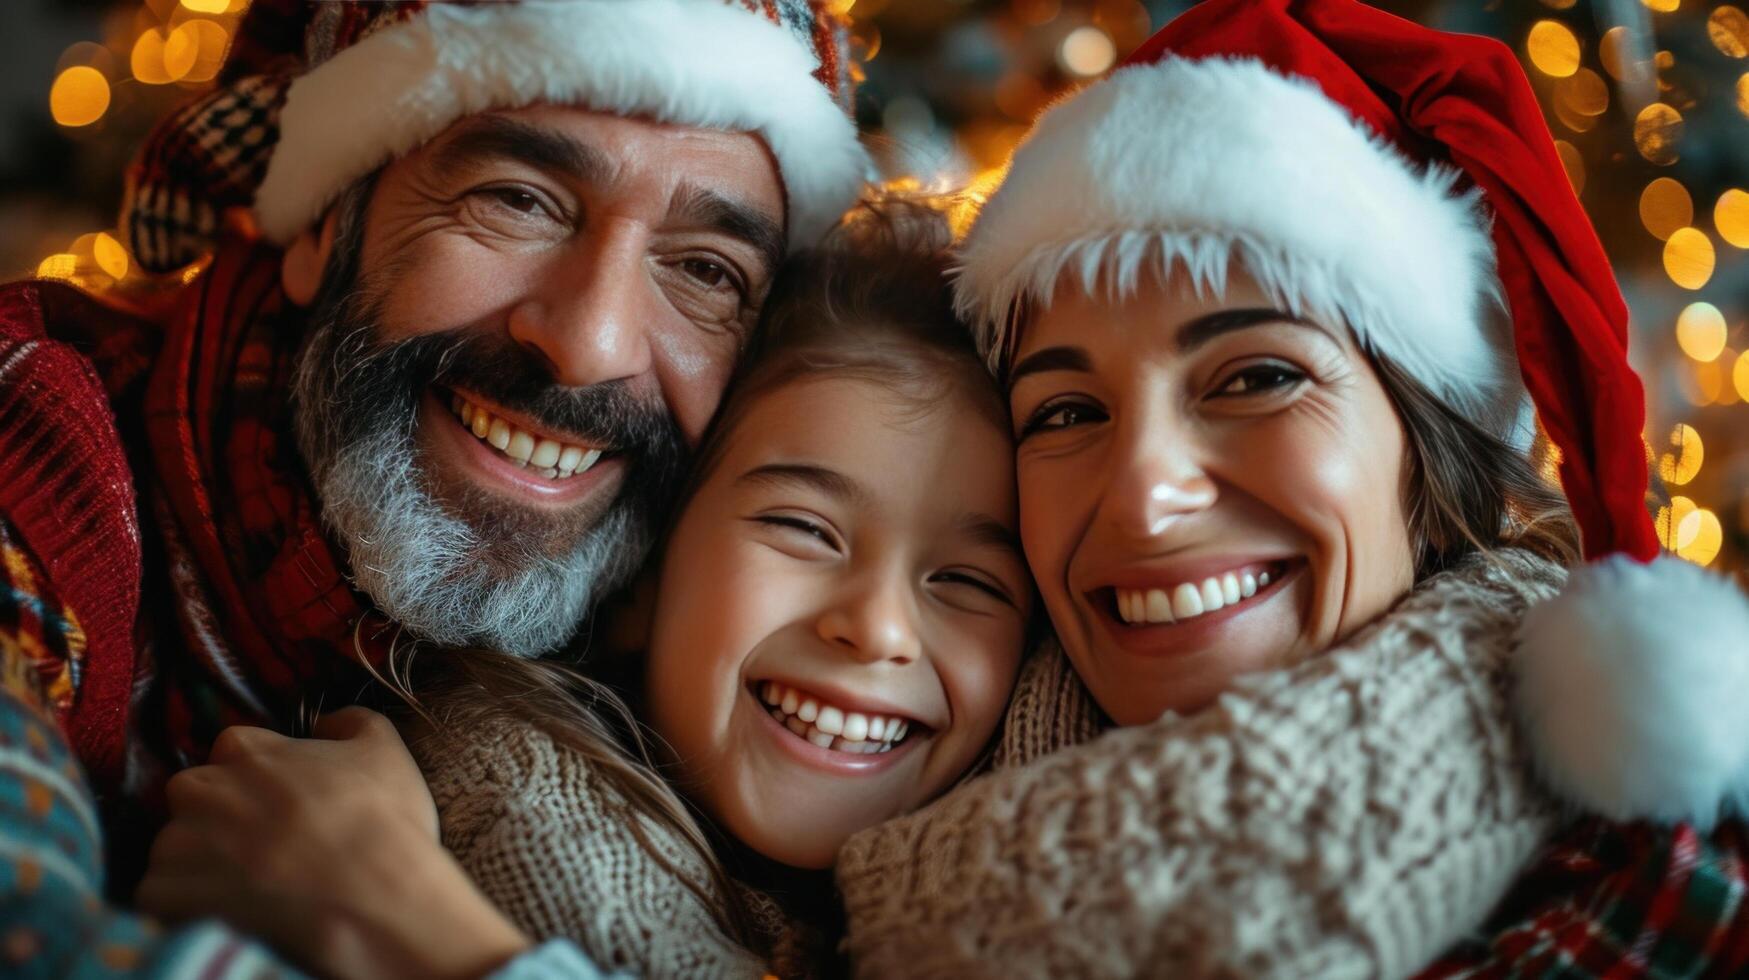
column 1209, row 486
column 841, row 613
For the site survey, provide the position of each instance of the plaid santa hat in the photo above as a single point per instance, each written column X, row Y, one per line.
column 316, row 94
column 1402, row 181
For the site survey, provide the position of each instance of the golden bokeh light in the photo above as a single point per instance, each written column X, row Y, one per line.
column 181, row 51
column 1703, row 385
column 147, row 59
column 220, row 6
column 1682, row 463
column 1702, row 536
column 1657, row 130
column 1553, row 49
column 1727, row 390
column 1672, row 522
column 1700, row 331
column 205, row 41
column 1729, row 29
column 79, row 97
column 1740, row 376
column 1689, row 258
column 1665, row 207
column 1560, row 4
column 1086, row 52
column 1584, row 92
column 110, row 256
column 1731, row 217
column 61, row 265
column 1743, row 94
column 1573, row 163
column 1662, row 6
column 1614, row 50
column 1574, row 121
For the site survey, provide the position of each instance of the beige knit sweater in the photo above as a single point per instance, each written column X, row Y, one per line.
column 1349, row 817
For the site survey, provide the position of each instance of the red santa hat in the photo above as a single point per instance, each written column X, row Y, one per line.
column 314, row 96
column 1402, row 180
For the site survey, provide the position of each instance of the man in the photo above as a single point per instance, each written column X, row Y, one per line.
column 507, row 253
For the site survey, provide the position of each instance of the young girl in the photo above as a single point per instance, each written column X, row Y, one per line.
column 841, row 612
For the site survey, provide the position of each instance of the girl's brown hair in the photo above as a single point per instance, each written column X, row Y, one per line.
column 872, row 301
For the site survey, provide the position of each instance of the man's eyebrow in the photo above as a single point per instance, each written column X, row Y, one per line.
column 752, row 225
column 808, row 477
column 511, row 139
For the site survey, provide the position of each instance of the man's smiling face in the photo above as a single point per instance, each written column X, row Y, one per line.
column 508, row 359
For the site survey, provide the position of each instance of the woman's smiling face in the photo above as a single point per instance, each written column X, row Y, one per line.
column 1208, row 487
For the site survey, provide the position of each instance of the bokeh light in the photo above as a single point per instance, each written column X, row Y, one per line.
column 79, row 97
column 1584, row 92
column 1665, row 207
column 1689, row 258
column 1731, row 217
column 1663, row 6
column 1703, row 537
column 1553, row 49
column 1086, row 51
column 1729, row 29
column 109, row 255
column 1657, row 130
column 1700, row 331
column 1740, row 376
column 1672, row 522
column 1683, row 462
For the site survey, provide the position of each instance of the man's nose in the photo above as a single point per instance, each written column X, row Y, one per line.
column 1156, row 478
column 589, row 319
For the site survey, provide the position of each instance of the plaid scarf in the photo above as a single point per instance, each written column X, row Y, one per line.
column 271, row 631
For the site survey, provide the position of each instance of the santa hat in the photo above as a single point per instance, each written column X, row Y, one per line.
column 314, row 96
column 1402, row 180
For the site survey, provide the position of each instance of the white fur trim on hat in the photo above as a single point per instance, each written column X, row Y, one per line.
column 1195, row 165
column 701, row 63
column 1633, row 687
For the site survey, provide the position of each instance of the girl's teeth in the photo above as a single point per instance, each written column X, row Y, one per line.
column 549, row 458
column 829, row 726
column 1189, row 599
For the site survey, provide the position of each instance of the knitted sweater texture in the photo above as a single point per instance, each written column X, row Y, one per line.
column 1350, row 817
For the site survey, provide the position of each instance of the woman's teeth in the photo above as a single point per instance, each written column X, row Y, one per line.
column 1189, row 599
column 829, row 726
column 549, row 458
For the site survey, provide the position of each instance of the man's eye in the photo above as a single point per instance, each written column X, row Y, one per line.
column 709, row 274
column 1260, row 379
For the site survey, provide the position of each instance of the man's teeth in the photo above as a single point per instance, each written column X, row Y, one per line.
column 551, row 459
column 1188, row 599
column 829, row 726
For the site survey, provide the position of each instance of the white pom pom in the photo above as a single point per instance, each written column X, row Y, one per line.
column 1633, row 685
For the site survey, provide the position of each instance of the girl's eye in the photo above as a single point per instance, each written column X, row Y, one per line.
column 1061, row 415
column 800, row 525
column 976, row 582
column 1260, row 379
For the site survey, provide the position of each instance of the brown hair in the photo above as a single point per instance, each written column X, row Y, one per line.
column 872, row 301
column 1467, row 490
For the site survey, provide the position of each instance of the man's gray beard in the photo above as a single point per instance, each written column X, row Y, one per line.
column 512, row 585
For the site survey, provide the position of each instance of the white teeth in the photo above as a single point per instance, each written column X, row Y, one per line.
column 855, row 727
column 1186, row 601
column 1248, row 585
column 1230, row 588
column 828, row 726
column 1211, row 595
column 1159, row 607
column 547, row 457
column 1263, row 580
column 830, row 720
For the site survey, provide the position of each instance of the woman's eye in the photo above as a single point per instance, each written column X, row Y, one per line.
column 1061, row 415
column 1260, row 379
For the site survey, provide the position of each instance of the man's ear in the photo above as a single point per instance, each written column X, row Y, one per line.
column 300, row 272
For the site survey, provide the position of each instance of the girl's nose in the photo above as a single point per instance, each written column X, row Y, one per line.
column 872, row 624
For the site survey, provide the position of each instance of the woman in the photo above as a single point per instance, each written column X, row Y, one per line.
column 1254, row 328
column 1221, row 414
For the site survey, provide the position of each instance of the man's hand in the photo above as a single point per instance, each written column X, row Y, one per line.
column 327, row 848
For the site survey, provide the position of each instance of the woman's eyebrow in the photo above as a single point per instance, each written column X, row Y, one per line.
column 1050, row 359
column 1195, row 333
column 807, row 476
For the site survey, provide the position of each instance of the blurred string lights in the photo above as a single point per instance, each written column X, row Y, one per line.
column 1640, row 94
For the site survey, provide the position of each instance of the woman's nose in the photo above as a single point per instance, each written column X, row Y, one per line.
column 1157, row 478
column 872, row 623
